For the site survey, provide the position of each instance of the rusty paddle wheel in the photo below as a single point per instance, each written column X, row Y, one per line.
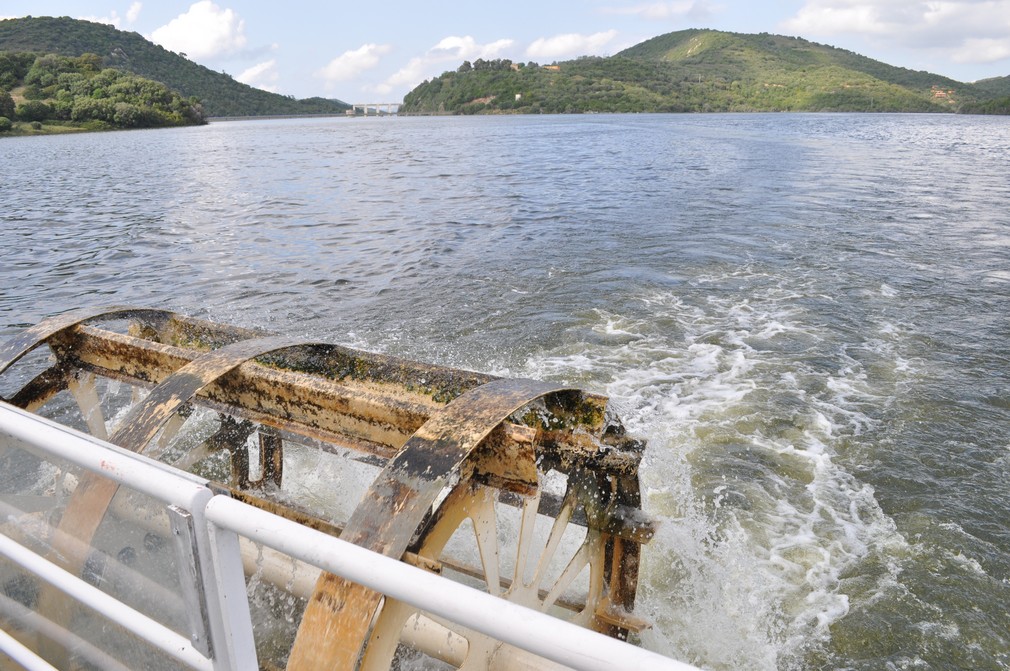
column 526, row 489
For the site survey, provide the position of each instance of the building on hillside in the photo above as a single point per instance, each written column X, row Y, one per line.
column 943, row 94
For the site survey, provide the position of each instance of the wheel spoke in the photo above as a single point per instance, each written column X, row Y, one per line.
column 485, row 527
column 594, row 595
column 561, row 563
column 168, row 434
column 386, row 635
column 557, row 531
column 596, row 563
column 575, row 566
column 449, row 516
column 85, row 392
column 525, row 542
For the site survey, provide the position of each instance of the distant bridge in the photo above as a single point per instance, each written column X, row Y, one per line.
column 374, row 109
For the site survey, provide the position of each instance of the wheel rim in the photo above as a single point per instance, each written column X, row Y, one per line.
column 534, row 567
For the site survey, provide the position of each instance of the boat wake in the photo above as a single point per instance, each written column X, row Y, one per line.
column 765, row 538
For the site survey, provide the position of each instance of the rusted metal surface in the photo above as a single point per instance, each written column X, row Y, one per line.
column 91, row 498
column 375, row 415
column 271, row 459
column 16, row 347
column 438, row 383
column 41, row 389
column 344, row 400
column 335, row 624
column 434, row 427
column 387, row 515
column 147, row 417
column 93, row 495
column 330, row 392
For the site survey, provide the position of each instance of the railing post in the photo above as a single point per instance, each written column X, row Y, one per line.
column 231, row 624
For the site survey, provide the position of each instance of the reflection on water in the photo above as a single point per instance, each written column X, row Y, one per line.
column 805, row 315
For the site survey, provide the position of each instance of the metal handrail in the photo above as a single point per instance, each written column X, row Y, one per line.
column 21, row 655
column 218, row 523
column 519, row 626
column 160, row 636
column 229, row 629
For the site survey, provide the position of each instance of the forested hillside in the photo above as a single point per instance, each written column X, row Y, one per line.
column 62, row 91
column 695, row 71
column 219, row 93
column 996, row 106
column 996, row 86
column 998, row 91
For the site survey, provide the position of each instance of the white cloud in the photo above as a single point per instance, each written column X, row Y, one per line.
column 467, row 48
column 204, row 31
column 412, row 73
column 982, row 50
column 262, row 76
column 113, row 19
column 452, row 50
column 569, row 44
column 133, row 13
column 967, row 31
column 664, row 11
column 826, row 17
column 350, row 64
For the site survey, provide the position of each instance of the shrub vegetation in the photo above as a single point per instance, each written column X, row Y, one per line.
column 698, row 71
column 55, row 89
column 106, row 47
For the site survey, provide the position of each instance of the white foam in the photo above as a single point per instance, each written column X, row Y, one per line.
column 746, row 571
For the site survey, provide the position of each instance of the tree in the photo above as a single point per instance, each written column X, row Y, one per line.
column 90, row 62
column 34, row 110
column 127, row 115
column 46, row 68
column 91, row 108
column 5, row 124
column 13, row 67
column 6, row 104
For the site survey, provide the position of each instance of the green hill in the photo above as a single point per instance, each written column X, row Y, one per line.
column 49, row 93
column 696, row 71
column 996, row 86
column 998, row 91
column 219, row 93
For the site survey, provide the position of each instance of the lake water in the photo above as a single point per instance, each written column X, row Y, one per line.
column 806, row 316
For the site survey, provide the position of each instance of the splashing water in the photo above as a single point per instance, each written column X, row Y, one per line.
column 760, row 525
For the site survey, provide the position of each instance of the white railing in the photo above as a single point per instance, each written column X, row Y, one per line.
column 217, row 522
column 182, row 493
column 157, row 634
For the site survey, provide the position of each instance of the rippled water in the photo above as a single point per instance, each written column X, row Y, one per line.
column 805, row 315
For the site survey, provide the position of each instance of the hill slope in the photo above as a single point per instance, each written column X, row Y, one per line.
column 695, row 71
column 220, row 94
column 996, row 86
column 53, row 93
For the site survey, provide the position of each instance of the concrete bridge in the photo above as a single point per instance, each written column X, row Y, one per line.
column 374, row 109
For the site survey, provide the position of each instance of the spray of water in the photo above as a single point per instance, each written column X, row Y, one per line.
column 762, row 530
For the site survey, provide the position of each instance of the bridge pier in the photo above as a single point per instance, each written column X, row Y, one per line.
column 374, row 109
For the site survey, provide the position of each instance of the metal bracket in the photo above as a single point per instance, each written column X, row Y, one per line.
column 191, row 579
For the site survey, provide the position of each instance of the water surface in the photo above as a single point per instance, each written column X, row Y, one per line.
column 806, row 316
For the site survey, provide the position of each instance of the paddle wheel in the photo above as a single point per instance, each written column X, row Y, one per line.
column 525, row 489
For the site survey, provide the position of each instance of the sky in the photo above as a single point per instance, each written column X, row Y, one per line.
column 378, row 50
